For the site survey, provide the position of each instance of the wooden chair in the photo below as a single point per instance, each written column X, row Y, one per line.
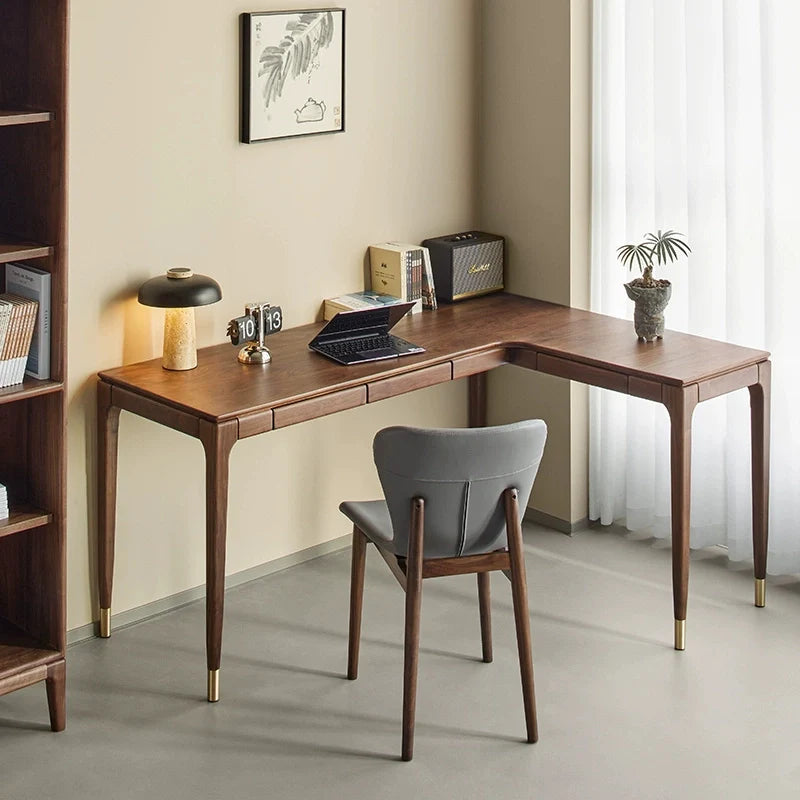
column 452, row 507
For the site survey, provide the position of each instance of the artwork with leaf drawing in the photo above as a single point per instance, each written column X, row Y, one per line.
column 292, row 73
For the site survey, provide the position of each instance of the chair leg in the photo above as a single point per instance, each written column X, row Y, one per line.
column 413, row 607
column 485, row 601
column 356, row 600
column 519, row 592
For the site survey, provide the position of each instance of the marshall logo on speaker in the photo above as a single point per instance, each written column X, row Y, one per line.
column 466, row 264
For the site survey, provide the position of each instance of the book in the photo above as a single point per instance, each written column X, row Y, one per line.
column 3, row 502
column 396, row 269
column 34, row 284
column 18, row 339
column 428, row 288
column 5, row 320
column 10, row 367
column 9, row 345
column 357, row 300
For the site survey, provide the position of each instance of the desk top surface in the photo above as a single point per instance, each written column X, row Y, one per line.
column 221, row 388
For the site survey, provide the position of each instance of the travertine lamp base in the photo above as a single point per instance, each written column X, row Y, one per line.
column 180, row 344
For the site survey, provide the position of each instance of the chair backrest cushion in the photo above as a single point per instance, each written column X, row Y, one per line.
column 461, row 474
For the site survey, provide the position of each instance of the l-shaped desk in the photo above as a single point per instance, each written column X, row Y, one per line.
column 222, row 401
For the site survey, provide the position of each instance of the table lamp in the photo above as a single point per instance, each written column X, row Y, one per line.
column 179, row 291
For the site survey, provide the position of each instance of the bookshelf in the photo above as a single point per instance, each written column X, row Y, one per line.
column 33, row 188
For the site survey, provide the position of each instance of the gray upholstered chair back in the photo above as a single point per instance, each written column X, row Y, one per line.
column 461, row 474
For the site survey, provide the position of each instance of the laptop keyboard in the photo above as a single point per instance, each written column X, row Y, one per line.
column 351, row 346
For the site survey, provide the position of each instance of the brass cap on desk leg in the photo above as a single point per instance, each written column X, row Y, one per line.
column 680, row 634
column 761, row 592
column 213, row 686
column 105, row 623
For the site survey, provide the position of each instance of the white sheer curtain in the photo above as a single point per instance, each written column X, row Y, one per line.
column 696, row 125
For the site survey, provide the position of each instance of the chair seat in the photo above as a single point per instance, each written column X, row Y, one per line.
column 372, row 518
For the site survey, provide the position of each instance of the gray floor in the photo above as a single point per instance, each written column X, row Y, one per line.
column 621, row 714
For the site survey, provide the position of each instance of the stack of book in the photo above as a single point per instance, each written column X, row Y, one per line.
column 399, row 273
column 17, row 321
column 34, row 284
column 3, row 502
column 404, row 271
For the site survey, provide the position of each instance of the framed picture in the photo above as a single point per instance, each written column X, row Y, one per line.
column 292, row 73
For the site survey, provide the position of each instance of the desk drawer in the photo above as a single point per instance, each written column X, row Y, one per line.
column 400, row 384
column 479, row 362
column 575, row 371
column 320, row 406
column 253, row 424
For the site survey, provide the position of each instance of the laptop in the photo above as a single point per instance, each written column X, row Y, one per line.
column 353, row 337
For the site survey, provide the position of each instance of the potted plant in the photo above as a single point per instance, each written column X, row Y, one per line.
column 650, row 294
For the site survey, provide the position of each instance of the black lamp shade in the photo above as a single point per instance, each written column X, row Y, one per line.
column 179, row 289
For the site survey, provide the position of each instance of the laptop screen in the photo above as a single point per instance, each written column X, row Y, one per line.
column 363, row 322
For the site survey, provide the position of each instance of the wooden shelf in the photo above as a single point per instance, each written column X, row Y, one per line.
column 19, row 652
column 30, row 387
column 33, row 206
column 12, row 249
column 24, row 519
column 20, row 117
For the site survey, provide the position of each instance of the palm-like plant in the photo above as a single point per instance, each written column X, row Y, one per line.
column 662, row 247
column 297, row 52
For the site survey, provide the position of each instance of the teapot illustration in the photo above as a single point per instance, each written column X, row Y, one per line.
column 312, row 111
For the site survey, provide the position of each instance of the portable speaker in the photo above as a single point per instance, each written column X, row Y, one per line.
column 466, row 264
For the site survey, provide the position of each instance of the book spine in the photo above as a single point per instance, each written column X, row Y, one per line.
column 16, row 345
column 20, row 332
column 38, row 362
column 5, row 314
column 9, row 349
column 26, row 339
column 428, row 287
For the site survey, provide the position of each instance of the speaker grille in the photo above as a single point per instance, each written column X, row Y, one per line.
column 477, row 268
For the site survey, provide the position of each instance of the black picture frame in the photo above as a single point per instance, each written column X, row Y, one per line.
column 278, row 50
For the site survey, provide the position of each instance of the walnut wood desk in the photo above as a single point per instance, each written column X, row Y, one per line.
column 222, row 401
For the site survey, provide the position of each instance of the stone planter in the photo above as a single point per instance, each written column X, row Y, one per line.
column 648, row 316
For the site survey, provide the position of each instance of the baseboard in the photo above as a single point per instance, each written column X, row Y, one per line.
column 556, row 523
column 158, row 607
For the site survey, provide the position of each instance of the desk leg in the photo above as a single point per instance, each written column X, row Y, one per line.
column 107, row 439
column 680, row 403
column 759, row 455
column 477, row 400
column 217, row 439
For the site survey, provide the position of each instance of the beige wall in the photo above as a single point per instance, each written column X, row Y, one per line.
column 158, row 179
column 534, row 187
